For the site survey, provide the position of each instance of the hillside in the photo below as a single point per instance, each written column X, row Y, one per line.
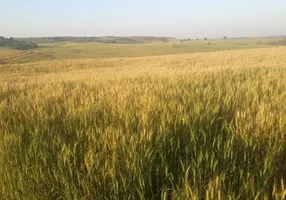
column 150, row 47
column 108, row 39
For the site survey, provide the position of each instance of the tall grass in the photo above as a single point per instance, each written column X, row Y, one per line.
column 198, row 126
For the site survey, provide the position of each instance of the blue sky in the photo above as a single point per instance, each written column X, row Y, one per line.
column 178, row 18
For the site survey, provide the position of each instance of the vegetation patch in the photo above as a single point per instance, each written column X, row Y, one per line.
column 16, row 44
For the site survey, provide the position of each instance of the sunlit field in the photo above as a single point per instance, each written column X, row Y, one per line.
column 192, row 126
column 71, row 50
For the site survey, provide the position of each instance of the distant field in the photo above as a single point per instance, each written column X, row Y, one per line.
column 67, row 50
column 8, row 53
column 200, row 126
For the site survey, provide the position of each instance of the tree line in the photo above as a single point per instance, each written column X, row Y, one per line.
column 16, row 44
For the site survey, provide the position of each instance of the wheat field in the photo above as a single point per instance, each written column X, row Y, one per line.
column 193, row 126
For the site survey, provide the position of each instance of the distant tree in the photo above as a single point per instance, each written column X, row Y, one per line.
column 189, row 39
column 6, row 41
column 205, row 38
column 197, row 38
column 11, row 39
column 2, row 40
column 225, row 38
column 16, row 44
column 33, row 45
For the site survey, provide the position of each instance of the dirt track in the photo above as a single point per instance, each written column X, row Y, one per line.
column 18, row 56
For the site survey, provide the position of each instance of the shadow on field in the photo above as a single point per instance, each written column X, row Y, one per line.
column 65, row 153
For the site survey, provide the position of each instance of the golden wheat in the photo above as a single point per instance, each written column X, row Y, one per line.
column 193, row 126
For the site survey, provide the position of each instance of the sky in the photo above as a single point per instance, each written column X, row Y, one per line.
column 175, row 18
